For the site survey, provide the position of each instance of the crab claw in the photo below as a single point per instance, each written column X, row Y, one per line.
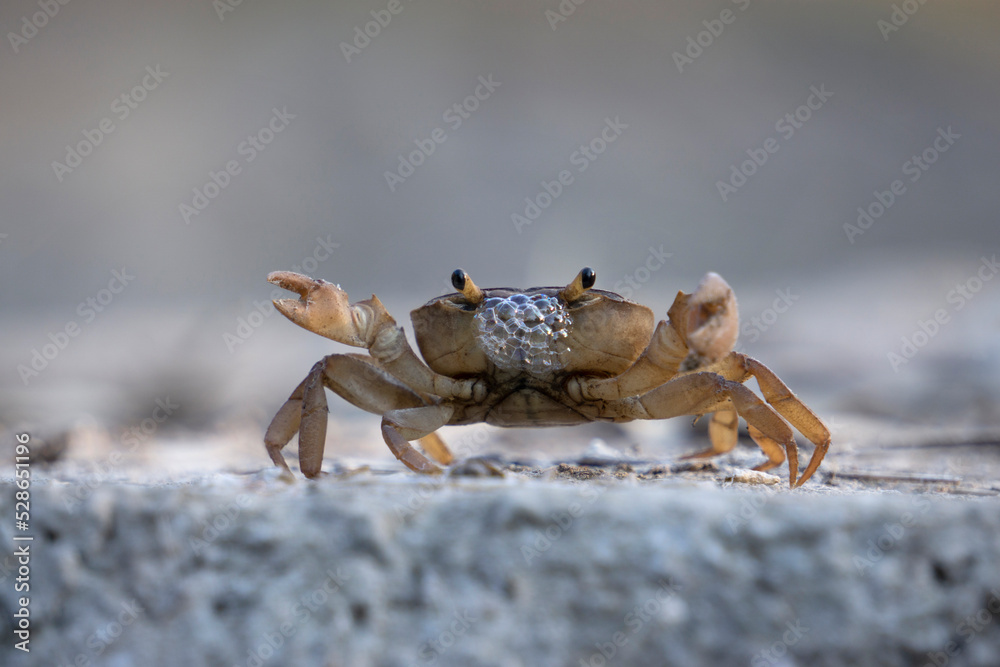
column 323, row 309
column 708, row 320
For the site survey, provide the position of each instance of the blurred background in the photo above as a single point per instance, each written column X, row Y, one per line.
column 835, row 162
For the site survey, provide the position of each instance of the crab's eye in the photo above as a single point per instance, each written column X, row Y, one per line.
column 458, row 279
column 583, row 282
column 461, row 281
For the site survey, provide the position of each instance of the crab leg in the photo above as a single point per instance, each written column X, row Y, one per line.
column 355, row 378
column 434, row 445
column 723, row 431
column 776, row 455
column 739, row 367
column 701, row 393
column 312, row 430
column 284, row 425
column 305, row 412
column 401, row 426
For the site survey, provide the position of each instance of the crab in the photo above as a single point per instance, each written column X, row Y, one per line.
column 544, row 356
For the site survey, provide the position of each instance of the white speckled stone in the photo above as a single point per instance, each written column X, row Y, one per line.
column 393, row 571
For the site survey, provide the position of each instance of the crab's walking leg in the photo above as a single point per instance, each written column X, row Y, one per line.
column 776, row 455
column 355, row 378
column 401, row 426
column 312, row 430
column 284, row 425
column 701, row 393
column 305, row 411
column 434, row 445
column 723, row 431
column 739, row 367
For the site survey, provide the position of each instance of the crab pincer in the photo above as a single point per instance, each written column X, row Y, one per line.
column 712, row 322
column 323, row 308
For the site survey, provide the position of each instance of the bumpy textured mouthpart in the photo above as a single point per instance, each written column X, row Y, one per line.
column 523, row 332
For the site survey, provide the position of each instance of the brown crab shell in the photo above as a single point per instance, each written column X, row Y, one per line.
column 607, row 334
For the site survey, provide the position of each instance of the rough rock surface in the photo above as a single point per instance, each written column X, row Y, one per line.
column 390, row 570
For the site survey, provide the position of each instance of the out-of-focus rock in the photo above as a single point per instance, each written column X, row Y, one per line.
column 391, row 570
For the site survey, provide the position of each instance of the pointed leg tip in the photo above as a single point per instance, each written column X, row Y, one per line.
column 802, row 480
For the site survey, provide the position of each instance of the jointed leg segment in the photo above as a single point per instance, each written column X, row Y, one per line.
column 361, row 382
column 399, row 427
column 739, row 367
column 723, row 393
